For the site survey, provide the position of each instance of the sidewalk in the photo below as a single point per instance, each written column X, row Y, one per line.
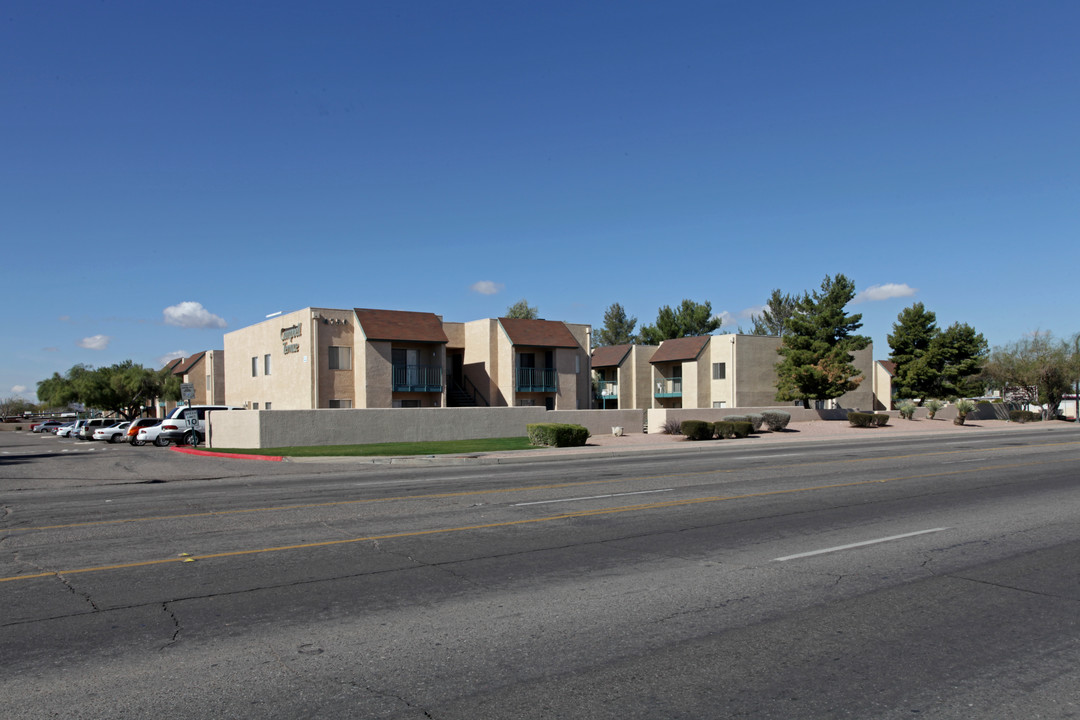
column 640, row 443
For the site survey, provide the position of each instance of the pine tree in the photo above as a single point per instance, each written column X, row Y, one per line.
column 913, row 335
column 775, row 316
column 816, row 353
column 618, row 329
column 690, row 320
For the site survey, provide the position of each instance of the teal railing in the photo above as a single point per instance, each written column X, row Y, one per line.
column 668, row 387
column 418, row 378
column 537, row 380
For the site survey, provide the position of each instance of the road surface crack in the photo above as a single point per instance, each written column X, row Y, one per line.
column 77, row 593
column 1027, row 591
column 176, row 625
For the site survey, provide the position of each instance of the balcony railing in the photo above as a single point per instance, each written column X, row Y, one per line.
column 669, row 387
column 609, row 390
column 537, row 380
column 418, row 378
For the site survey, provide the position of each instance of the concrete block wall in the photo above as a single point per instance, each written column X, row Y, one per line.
column 297, row 428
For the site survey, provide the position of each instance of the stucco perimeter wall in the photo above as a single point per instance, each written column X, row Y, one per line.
column 658, row 416
column 296, row 428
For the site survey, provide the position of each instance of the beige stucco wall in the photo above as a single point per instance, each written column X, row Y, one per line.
column 753, row 371
column 300, row 428
column 482, row 360
column 882, row 388
column 334, row 328
column 291, row 383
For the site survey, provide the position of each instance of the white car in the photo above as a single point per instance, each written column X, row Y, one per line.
column 112, row 433
column 150, row 434
column 65, row 429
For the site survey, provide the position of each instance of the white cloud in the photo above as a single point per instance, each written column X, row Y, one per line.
column 884, row 292
column 192, row 315
column 18, row 389
column 487, row 287
column 95, row 342
column 163, row 359
column 724, row 317
column 750, row 312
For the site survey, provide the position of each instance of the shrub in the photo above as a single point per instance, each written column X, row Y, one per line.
column 963, row 407
column 932, row 408
column 861, row 419
column 557, row 434
column 671, row 426
column 881, row 419
column 742, row 428
column 736, row 418
column 697, row 430
column 776, row 419
column 756, row 419
column 724, row 429
column 1021, row 416
column 907, row 409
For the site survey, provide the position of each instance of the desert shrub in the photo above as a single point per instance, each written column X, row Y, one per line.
column 907, row 409
column 724, row 430
column 881, row 419
column 742, row 428
column 756, row 419
column 776, row 419
column 697, row 429
column 861, row 419
column 963, row 407
column 932, row 407
column 557, row 434
column 736, row 418
column 1021, row 416
column 671, row 426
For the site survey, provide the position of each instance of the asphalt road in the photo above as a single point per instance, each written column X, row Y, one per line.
column 884, row 579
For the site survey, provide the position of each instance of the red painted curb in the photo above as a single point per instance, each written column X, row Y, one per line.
column 236, row 456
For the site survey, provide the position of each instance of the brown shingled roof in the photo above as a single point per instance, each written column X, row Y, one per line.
column 400, row 325
column 889, row 365
column 610, row 356
column 687, row 348
column 184, row 365
column 538, row 333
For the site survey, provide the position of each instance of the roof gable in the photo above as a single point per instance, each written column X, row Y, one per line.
column 400, row 325
column 538, row 333
column 610, row 356
column 183, row 366
column 686, row 348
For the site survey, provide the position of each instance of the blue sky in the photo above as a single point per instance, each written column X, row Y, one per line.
column 173, row 171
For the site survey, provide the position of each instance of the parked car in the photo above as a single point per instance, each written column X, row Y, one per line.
column 65, row 429
column 136, row 425
column 111, row 433
column 150, row 434
column 86, row 430
column 47, row 426
column 176, row 429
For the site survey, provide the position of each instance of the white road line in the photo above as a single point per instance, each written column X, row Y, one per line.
column 858, row 544
column 591, row 497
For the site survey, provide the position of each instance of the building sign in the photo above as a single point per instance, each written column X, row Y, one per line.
column 291, row 333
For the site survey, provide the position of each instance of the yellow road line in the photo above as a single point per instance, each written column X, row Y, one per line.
column 469, row 493
column 526, row 521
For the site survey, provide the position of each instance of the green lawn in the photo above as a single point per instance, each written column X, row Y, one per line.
column 449, row 447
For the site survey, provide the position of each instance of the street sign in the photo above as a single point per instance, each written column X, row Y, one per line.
column 192, row 417
column 187, row 391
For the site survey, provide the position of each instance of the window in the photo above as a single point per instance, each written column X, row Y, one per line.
column 254, row 367
column 406, row 403
column 719, row 371
column 719, row 404
column 266, row 364
column 267, row 406
column 341, row 403
column 340, row 358
column 254, row 406
column 208, row 386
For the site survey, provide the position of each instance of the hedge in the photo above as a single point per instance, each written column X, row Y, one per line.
column 737, row 429
column 696, row 429
column 861, row 419
column 557, row 434
column 1021, row 416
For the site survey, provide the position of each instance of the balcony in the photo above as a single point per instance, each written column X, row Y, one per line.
column 537, row 380
column 608, row 390
column 418, row 378
column 669, row 387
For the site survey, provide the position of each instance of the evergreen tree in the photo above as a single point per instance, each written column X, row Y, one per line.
column 689, row 320
column 913, row 334
column 959, row 354
column 816, row 351
column 774, row 318
column 618, row 328
column 522, row 310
